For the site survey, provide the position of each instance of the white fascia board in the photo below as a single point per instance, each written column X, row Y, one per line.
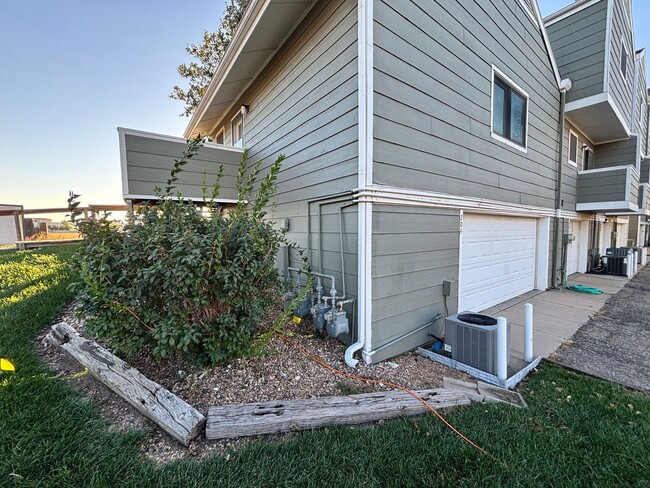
column 531, row 15
column 585, row 102
column 251, row 18
column 582, row 217
column 547, row 43
column 121, row 134
column 163, row 137
column 569, row 10
column 410, row 197
column 191, row 199
column 622, row 167
column 598, row 206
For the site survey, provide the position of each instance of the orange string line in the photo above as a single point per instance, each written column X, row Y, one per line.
column 319, row 361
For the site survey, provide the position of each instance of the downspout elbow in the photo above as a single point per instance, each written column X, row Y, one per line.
column 565, row 85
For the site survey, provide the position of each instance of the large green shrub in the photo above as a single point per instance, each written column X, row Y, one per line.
column 179, row 280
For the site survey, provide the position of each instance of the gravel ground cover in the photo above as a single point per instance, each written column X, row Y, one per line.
column 281, row 372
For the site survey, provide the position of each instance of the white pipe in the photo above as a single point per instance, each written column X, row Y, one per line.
column 502, row 348
column 528, row 332
column 365, row 43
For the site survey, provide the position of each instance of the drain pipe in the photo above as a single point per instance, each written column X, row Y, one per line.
column 565, row 86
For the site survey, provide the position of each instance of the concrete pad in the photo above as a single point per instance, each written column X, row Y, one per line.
column 614, row 343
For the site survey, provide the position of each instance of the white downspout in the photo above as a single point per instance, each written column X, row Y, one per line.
column 365, row 125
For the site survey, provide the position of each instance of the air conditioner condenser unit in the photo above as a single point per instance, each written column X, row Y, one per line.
column 471, row 339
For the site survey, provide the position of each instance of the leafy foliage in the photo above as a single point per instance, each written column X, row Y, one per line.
column 208, row 54
column 179, row 280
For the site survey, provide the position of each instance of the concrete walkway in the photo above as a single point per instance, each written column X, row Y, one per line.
column 557, row 314
column 615, row 343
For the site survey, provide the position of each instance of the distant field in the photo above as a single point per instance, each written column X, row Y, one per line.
column 55, row 236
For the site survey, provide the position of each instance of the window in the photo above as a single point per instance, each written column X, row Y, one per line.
column 573, row 149
column 238, row 131
column 623, row 59
column 587, row 159
column 219, row 138
column 509, row 111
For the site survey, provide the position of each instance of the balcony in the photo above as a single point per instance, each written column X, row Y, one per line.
column 611, row 190
column 599, row 118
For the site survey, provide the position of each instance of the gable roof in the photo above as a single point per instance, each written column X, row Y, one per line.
column 265, row 26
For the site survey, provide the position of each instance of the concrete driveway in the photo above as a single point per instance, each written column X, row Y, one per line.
column 615, row 343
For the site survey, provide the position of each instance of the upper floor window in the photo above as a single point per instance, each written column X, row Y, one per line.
column 587, row 158
column 509, row 111
column 573, row 148
column 238, row 131
column 624, row 56
column 219, row 138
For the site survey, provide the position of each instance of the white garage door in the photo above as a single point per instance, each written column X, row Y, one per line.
column 497, row 260
column 573, row 248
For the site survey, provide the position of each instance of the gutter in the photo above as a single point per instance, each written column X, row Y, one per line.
column 565, row 86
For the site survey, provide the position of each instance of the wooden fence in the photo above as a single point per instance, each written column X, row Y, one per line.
column 19, row 221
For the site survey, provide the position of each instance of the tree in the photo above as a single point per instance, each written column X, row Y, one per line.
column 209, row 54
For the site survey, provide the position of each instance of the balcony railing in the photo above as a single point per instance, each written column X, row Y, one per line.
column 614, row 189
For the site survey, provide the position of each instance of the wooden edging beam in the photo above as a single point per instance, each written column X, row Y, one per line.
column 173, row 415
column 278, row 416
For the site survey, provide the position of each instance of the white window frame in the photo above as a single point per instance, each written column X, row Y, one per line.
column 239, row 142
column 627, row 57
column 497, row 72
column 573, row 163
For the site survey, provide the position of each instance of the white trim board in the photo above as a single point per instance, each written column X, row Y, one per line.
column 598, row 206
column 409, row 197
column 191, row 199
column 164, row 137
column 569, row 10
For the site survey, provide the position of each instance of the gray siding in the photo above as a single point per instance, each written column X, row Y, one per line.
column 578, row 43
column 603, row 186
column 633, row 234
column 570, row 172
column 433, row 100
column 645, row 171
column 640, row 125
column 304, row 105
column 619, row 88
column 617, row 153
column 414, row 250
column 150, row 160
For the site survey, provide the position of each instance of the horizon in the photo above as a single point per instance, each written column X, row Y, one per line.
column 79, row 70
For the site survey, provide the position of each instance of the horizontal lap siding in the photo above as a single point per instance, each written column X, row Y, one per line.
column 578, row 43
column 304, row 106
column 414, row 250
column 645, row 171
column 149, row 162
column 621, row 89
column 617, row 153
column 570, row 172
column 432, row 84
column 640, row 103
column 602, row 186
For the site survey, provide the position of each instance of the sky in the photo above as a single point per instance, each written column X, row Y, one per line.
column 72, row 71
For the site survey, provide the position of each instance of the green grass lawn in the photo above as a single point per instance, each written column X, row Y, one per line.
column 577, row 431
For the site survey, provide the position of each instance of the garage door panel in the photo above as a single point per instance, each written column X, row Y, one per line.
column 498, row 260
